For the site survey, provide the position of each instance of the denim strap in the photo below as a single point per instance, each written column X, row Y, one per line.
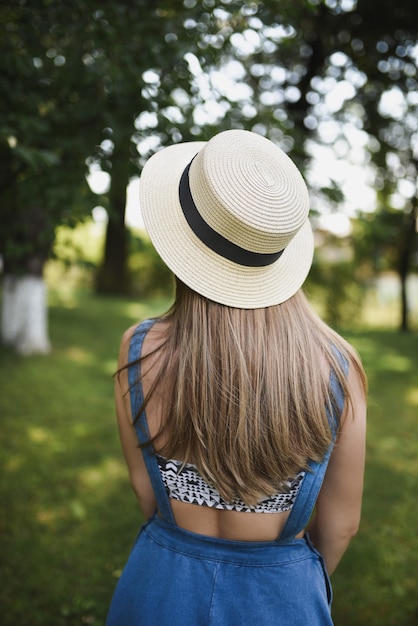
column 312, row 481
column 141, row 425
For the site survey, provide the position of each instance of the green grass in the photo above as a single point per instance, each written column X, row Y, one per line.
column 377, row 581
column 67, row 514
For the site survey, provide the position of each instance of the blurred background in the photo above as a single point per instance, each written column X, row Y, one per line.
column 88, row 91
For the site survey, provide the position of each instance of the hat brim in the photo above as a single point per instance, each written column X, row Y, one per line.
column 206, row 272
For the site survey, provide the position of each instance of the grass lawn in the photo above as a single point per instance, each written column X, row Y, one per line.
column 68, row 516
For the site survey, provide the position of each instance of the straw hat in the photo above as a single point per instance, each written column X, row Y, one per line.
column 230, row 218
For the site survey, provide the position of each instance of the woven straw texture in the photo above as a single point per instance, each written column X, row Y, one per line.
column 250, row 192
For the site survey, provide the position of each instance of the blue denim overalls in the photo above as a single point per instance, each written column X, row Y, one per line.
column 177, row 578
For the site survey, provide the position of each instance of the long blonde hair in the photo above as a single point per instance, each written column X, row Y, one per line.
column 245, row 392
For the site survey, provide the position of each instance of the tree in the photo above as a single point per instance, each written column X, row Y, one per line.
column 345, row 74
column 388, row 56
column 41, row 161
column 319, row 73
column 72, row 78
column 75, row 78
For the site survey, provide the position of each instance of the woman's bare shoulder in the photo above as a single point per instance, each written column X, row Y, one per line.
column 153, row 339
column 124, row 345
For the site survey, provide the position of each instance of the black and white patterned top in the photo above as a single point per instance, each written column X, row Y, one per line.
column 184, row 483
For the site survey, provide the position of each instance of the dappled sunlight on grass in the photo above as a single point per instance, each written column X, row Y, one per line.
column 390, row 358
column 37, row 434
column 391, row 363
column 48, row 517
column 389, row 444
column 394, row 362
column 14, row 463
column 411, row 396
column 48, row 440
column 107, row 473
column 366, row 346
column 109, row 367
column 78, row 509
column 135, row 311
column 397, row 453
column 79, row 355
column 89, row 484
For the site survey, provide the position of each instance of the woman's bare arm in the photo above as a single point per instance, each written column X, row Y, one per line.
column 338, row 509
column 138, row 474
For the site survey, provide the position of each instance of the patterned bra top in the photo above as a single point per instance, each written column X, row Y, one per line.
column 184, row 483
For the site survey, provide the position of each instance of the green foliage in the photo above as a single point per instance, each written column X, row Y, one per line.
column 150, row 277
column 77, row 253
column 88, row 84
column 68, row 516
column 35, row 160
column 377, row 241
column 82, row 244
column 40, row 141
column 337, row 293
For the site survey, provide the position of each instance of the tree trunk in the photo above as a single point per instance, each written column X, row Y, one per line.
column 24, row 314
column 404, row 305
column 407, row 248
column 113, row 276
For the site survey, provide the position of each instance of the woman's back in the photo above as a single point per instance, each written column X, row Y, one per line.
column 228, row 524
column 239, row 526
column 239, row 411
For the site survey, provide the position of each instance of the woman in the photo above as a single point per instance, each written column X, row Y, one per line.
column 240, row 411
